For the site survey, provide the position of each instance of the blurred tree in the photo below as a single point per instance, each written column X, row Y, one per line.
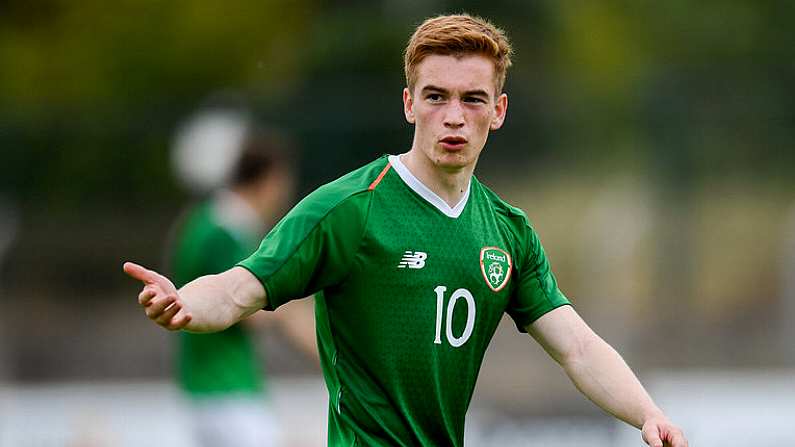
column 94, row 90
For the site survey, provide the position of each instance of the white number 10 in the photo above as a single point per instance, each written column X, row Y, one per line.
column 459, row 293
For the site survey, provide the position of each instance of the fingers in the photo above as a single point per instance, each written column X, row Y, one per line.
column 655, row 442
column 179, row 321
column 165, row 317
column 663, row 435
column 167, row 312
column 159, row 298
column 146, row 295
column 652, row 436
column 156, row 307
column 174, row 318
column 677, row 439
column 140, row 273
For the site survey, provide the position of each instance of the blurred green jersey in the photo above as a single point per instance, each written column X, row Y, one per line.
column 409, row 292
column 211, row 239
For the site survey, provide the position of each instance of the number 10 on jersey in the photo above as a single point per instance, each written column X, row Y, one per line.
column 470, row 324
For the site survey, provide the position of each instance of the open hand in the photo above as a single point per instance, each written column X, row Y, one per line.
column 159, row 298
column 660, row 432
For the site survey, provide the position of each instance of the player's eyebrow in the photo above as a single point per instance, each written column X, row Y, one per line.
column 435, row 89
column 477, row 92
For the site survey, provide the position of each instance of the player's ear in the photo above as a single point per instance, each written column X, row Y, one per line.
column 408, row 105
column 500, row 108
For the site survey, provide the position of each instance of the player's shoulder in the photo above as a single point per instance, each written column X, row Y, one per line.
column 350, row 189
column 503, row 210
column 356, row 181
column 513, row 219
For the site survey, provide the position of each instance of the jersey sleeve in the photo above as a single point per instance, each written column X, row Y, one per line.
column 312, row 248
column 536, row 291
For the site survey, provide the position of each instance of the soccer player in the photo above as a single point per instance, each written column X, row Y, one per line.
column 220, row 372
column 414, row 262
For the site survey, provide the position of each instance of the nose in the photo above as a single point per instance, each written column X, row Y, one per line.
column 454, row 115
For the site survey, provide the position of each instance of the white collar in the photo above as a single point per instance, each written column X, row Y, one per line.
column 431, row 197
column 235, row 214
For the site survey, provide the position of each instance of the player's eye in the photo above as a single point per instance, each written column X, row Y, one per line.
column 434, row 97
column 474, row 100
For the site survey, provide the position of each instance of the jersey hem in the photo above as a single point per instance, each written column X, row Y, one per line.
column 533, row 318
column 267, row 305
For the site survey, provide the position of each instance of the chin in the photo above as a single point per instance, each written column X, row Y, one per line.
column 453, row 161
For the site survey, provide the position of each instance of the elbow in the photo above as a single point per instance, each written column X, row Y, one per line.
column 577, row 351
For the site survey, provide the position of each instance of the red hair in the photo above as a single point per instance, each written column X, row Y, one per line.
column 458, row 35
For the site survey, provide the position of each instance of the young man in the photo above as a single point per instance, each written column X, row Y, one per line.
column 414, row 262
column 220, row 373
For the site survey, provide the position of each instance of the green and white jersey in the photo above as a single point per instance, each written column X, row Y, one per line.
column 211, row 238
column 409, row 292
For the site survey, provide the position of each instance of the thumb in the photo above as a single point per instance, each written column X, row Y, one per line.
column 140, row 273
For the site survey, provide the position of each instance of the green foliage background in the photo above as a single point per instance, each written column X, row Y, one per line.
column 90, row 91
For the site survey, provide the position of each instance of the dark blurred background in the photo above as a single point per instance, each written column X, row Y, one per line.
column 651, row 143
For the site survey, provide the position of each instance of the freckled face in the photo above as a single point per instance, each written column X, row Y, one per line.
column 453, row 107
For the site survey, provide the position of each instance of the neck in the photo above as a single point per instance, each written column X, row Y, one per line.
column 449, row 184
column 251, row 195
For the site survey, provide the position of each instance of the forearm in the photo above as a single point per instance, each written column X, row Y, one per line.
column 600, row 373
column 216, row 302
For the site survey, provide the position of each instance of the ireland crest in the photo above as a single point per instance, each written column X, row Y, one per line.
column 495, row 264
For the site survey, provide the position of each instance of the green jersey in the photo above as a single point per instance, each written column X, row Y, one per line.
column 409, row 292
column 211, row 239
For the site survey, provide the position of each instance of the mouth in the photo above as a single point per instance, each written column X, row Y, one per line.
column 452, row 142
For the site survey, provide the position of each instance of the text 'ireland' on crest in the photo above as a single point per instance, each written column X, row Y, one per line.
column 496, row 266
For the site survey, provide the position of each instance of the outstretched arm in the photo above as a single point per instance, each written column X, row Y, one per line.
column 207, row 304
column 600, row 373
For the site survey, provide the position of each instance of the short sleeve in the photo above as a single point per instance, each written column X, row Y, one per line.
column 536, row 291
column 312, row 248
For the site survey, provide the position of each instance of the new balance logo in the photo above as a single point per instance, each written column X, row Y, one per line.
column 413, row 260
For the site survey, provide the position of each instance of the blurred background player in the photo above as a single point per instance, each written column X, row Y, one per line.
column 248, row 177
